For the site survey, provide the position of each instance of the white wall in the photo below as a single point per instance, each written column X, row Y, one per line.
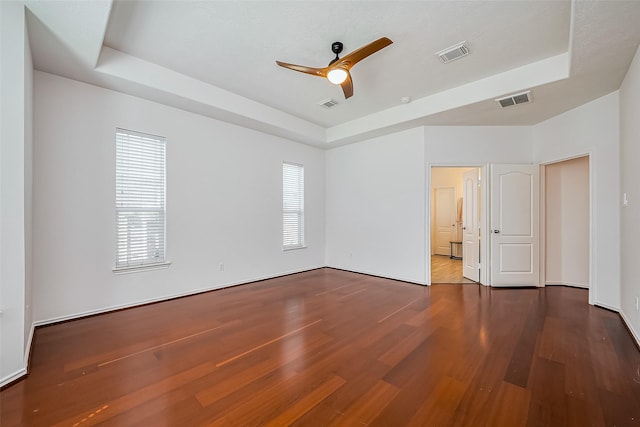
column 15, row 191
column 630, row 183
column 376, row 206
column 28, row 194
column 567, row 223
column 592, row 129
column 377, row 193
column 224, row 201
column 478, row 145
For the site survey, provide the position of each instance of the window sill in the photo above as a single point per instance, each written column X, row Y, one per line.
column 293, row 248
column 139, row 268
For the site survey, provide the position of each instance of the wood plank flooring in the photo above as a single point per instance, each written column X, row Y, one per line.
column 447, row 270
column 328, row 347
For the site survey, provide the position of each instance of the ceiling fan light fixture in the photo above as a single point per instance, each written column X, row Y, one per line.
column 337, row 72
column 337, row 75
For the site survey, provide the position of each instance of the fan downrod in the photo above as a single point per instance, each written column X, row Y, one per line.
column 336, row 47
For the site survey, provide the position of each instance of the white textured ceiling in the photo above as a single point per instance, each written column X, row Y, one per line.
column 218, row 58
column 234, row 45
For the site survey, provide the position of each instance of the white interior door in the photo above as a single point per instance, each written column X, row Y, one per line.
column 445, row 219
column 515, row 200
column 470, row 226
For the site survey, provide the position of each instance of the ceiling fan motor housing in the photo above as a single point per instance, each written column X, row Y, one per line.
column 336, row 47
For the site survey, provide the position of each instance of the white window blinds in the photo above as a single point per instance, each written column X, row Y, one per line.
column 140, row 199
column 292, row 206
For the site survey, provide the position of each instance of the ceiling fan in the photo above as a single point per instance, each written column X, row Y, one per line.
column 337, row 72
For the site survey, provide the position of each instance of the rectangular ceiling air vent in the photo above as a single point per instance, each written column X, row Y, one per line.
column 454, row 52
column 515, row 99
column 328, row 103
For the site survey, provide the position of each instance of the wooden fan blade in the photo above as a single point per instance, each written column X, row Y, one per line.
column 358, row 55
column 320, row 72
column 347, row 86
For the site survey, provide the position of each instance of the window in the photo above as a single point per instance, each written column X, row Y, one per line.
column 140, row 199
column 292, row 206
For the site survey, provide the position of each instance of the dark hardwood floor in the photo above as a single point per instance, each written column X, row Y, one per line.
column 328, row 347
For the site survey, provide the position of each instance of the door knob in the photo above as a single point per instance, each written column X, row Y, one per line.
column 464, row 228
column 496, row 231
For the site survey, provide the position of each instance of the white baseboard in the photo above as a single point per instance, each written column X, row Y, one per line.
column 24, row 371
column 78, row 315
column 634, row 333
column 12, row 377
column 607, row 306
column 27, row 352
column 571, row 284
column 368, row 273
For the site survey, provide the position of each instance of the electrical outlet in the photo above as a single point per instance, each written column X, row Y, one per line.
column 221, row 266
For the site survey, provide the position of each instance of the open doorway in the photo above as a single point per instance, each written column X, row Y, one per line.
column 454, row 224
column 567, row 223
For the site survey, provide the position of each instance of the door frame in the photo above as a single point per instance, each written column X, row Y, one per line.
column 484, row 221
column 592, row 223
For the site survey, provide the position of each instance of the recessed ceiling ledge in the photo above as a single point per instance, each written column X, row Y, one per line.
column 80, row 25
column 200, row 97
column 535, row 74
